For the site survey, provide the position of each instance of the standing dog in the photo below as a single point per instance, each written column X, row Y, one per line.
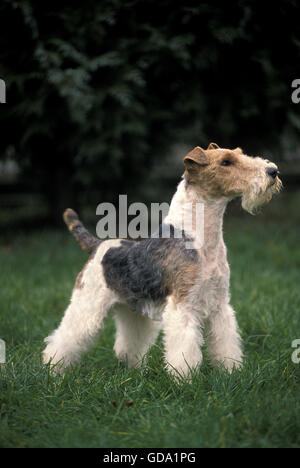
column 159, row 283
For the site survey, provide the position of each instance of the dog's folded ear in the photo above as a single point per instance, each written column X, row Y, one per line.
column 238, row 150
column 212, row 146
column 195, row 158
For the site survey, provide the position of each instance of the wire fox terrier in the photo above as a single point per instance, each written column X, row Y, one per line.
column 157, row 283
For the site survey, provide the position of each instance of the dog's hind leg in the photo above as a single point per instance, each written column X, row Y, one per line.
column 135, row 334
column 83, row 319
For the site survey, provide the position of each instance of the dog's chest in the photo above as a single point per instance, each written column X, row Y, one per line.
column 212, row 286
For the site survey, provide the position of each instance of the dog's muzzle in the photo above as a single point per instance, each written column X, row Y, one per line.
column 273, row 172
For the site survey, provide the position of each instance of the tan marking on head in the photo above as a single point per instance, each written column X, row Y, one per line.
column 220, row 172
column 194, row 160
column 238, row 150
column 213, row 146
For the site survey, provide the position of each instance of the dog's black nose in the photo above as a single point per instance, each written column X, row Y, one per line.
column 272, row 171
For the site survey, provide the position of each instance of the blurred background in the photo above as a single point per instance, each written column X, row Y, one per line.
column 106, row 97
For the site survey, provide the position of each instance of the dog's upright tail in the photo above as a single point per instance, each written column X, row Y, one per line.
column 87, row 242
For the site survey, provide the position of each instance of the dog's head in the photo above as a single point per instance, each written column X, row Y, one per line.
column 225, row 173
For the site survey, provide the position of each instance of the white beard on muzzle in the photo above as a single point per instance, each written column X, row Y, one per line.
column 258, row 194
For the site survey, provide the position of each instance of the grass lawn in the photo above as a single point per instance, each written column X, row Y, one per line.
column 101, row 403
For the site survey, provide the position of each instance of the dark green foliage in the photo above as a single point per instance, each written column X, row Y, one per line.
column 97, row 93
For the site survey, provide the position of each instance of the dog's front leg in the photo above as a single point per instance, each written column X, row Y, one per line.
column 223, row 338
column 182, row 338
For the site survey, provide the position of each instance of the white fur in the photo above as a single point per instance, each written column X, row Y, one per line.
column 134, row 336
column 182, row 337
column 84, row 316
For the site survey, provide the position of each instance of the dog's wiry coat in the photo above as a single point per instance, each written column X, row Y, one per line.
column 150, row 271
column 158, row 282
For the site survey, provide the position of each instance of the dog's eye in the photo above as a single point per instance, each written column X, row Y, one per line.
column 226, row 162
